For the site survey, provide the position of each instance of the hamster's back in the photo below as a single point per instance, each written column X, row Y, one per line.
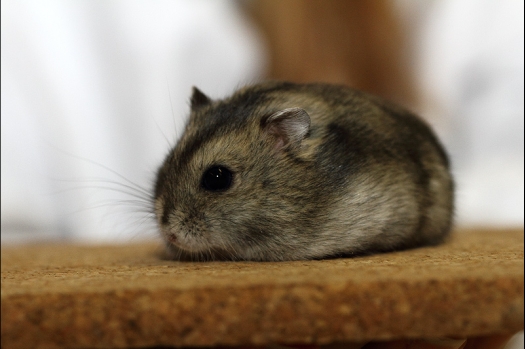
column 385, row 176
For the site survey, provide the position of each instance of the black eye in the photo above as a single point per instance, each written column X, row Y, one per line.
column 217, row 178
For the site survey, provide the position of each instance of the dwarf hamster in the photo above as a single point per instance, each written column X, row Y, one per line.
column 283, row 171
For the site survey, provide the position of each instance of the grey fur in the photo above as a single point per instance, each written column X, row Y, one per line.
column 342, row 173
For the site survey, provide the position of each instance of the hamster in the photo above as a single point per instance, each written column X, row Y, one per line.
column 282, row 171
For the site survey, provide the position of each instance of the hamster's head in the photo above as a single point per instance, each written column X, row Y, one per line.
column 231, row 187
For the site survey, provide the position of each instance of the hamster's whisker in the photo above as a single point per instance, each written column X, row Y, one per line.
column 140, row 226
column 228, row 249
column 233, row 252
column 139, row 190
column 211, row 254
column 110, row 203
column 178, row 254
column 122, row 191
column 144, row 207
column 145, row 190
column 143, row 195
column 161, row 132
column 172, row 111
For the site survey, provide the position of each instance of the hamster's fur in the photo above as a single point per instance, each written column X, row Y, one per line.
column 301, row 171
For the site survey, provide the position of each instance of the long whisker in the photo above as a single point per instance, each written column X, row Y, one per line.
column 140, row 190
column 135, row 195
column 145, row 190
column 172, row 112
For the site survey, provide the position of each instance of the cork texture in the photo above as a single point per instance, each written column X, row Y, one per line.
column 70, row 296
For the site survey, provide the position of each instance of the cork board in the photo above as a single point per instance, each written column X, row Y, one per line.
column 70, row 296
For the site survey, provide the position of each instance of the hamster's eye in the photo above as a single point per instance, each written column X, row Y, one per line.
column 217, row 178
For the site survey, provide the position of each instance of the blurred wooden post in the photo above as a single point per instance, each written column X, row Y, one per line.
column 357, row 43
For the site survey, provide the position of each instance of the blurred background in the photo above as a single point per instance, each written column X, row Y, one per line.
column 95, row 92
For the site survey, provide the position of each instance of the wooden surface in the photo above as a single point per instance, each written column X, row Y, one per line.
column 126, row 296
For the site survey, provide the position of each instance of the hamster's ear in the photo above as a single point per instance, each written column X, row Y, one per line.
column 198, row 99
column 289, row 126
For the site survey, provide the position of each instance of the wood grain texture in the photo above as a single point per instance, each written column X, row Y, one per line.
column 65, row 296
